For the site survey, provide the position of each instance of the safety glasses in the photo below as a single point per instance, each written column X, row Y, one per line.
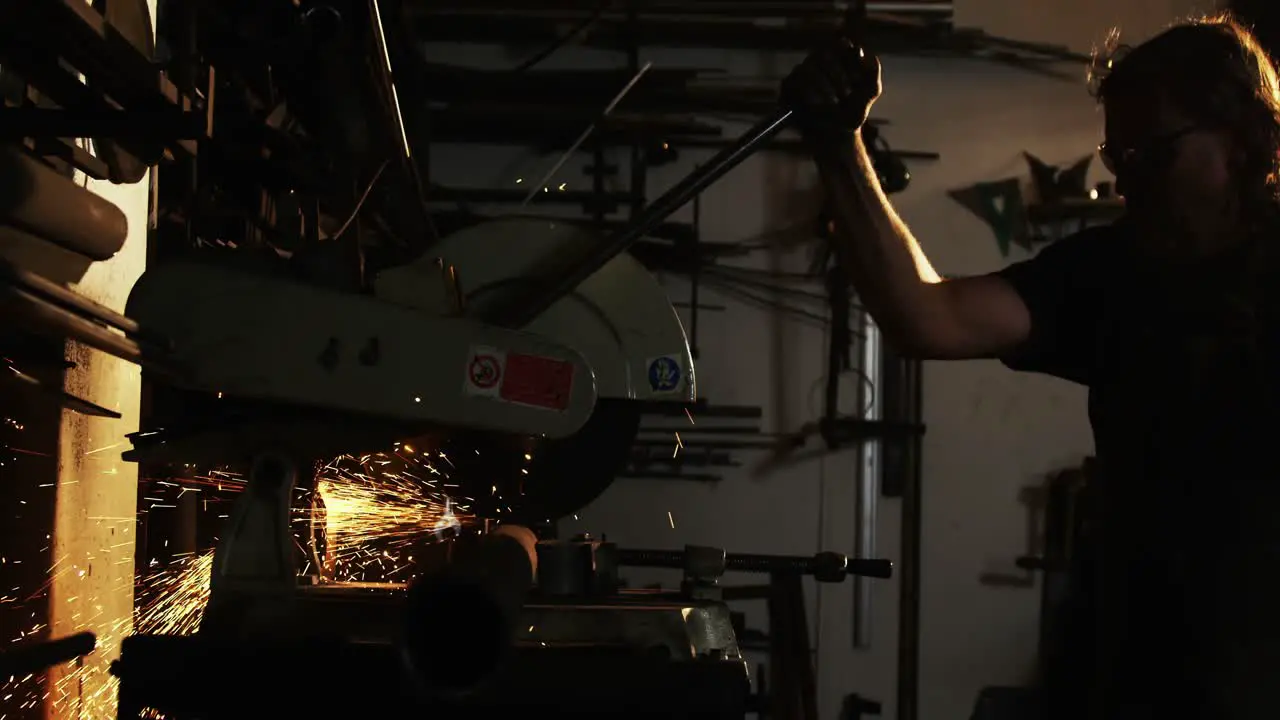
column 1150, row 156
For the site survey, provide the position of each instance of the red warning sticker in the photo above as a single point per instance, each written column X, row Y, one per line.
column 537, row 381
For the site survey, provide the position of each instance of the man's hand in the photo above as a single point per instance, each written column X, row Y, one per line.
column 832, row 91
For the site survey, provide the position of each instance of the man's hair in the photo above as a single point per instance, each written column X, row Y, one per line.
column 1213, row 70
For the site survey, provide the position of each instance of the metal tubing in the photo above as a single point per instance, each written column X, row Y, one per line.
column 909, row 582
column 461, row 622
column 868, row 477
column 927, row 8
column 59, row 295
column 519, row 309
column 42, row 317
column 37, row 200
column 820, row 564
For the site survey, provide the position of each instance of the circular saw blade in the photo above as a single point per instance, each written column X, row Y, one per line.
column 531, row 480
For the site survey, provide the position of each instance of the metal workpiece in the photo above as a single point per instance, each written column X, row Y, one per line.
column 35, row 199
column 824, row 566
column 471, row 607
column 565, row 569
column 582, row 567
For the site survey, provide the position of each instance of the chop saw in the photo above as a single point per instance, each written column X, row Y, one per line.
column 519, row 349
column 535, row 422
column 537, row 412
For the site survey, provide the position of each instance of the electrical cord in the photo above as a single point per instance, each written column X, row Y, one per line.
column 718, row 271
column 781, row 306
column 767, row 303
column 731, row 286
column 773, row 238
column 735, row 288
column 794, row 277
column 862, row 377
column 746, row 288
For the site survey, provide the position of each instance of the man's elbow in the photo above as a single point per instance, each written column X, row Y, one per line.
column 980, row 317
column 914, row 343
column 912, row 348
column 935, row 340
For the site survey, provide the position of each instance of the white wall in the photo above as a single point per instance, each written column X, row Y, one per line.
column 991, row 432
column 1076, row 24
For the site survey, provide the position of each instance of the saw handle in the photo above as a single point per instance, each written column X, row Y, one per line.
column 833, row 88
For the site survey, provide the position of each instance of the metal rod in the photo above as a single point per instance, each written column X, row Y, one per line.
column 741, row 562
column 868, row 476
column 573, row 148
column 708, row 9
column 909, row 582
column 39, row 201
column 518, row 310
column 695, row 279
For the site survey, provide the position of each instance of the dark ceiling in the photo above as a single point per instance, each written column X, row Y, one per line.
column 922, row 27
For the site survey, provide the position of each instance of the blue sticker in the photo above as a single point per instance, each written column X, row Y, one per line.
column 665, row 374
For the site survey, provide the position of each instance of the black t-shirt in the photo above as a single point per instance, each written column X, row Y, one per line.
column 1180, row 366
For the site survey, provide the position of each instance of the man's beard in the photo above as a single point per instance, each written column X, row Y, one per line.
column 1168, row 238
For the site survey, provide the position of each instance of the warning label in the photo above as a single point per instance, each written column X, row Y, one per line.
column 518, row 378
column 484, row 371
column 538, row 381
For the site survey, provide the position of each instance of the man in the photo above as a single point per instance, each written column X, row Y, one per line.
column 1170, row 316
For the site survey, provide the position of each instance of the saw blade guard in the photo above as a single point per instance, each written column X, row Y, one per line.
column 619, row 319
column 257, row 336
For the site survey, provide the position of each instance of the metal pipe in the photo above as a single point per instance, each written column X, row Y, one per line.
column 707, row 9
column 519, row 309
column 833, row 566
column 868, row 476
column 37, row 200
column 461, row 622
column 909, row 582
column 912, row 8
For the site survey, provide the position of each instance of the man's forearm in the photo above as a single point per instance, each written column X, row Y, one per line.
column 884, row 262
